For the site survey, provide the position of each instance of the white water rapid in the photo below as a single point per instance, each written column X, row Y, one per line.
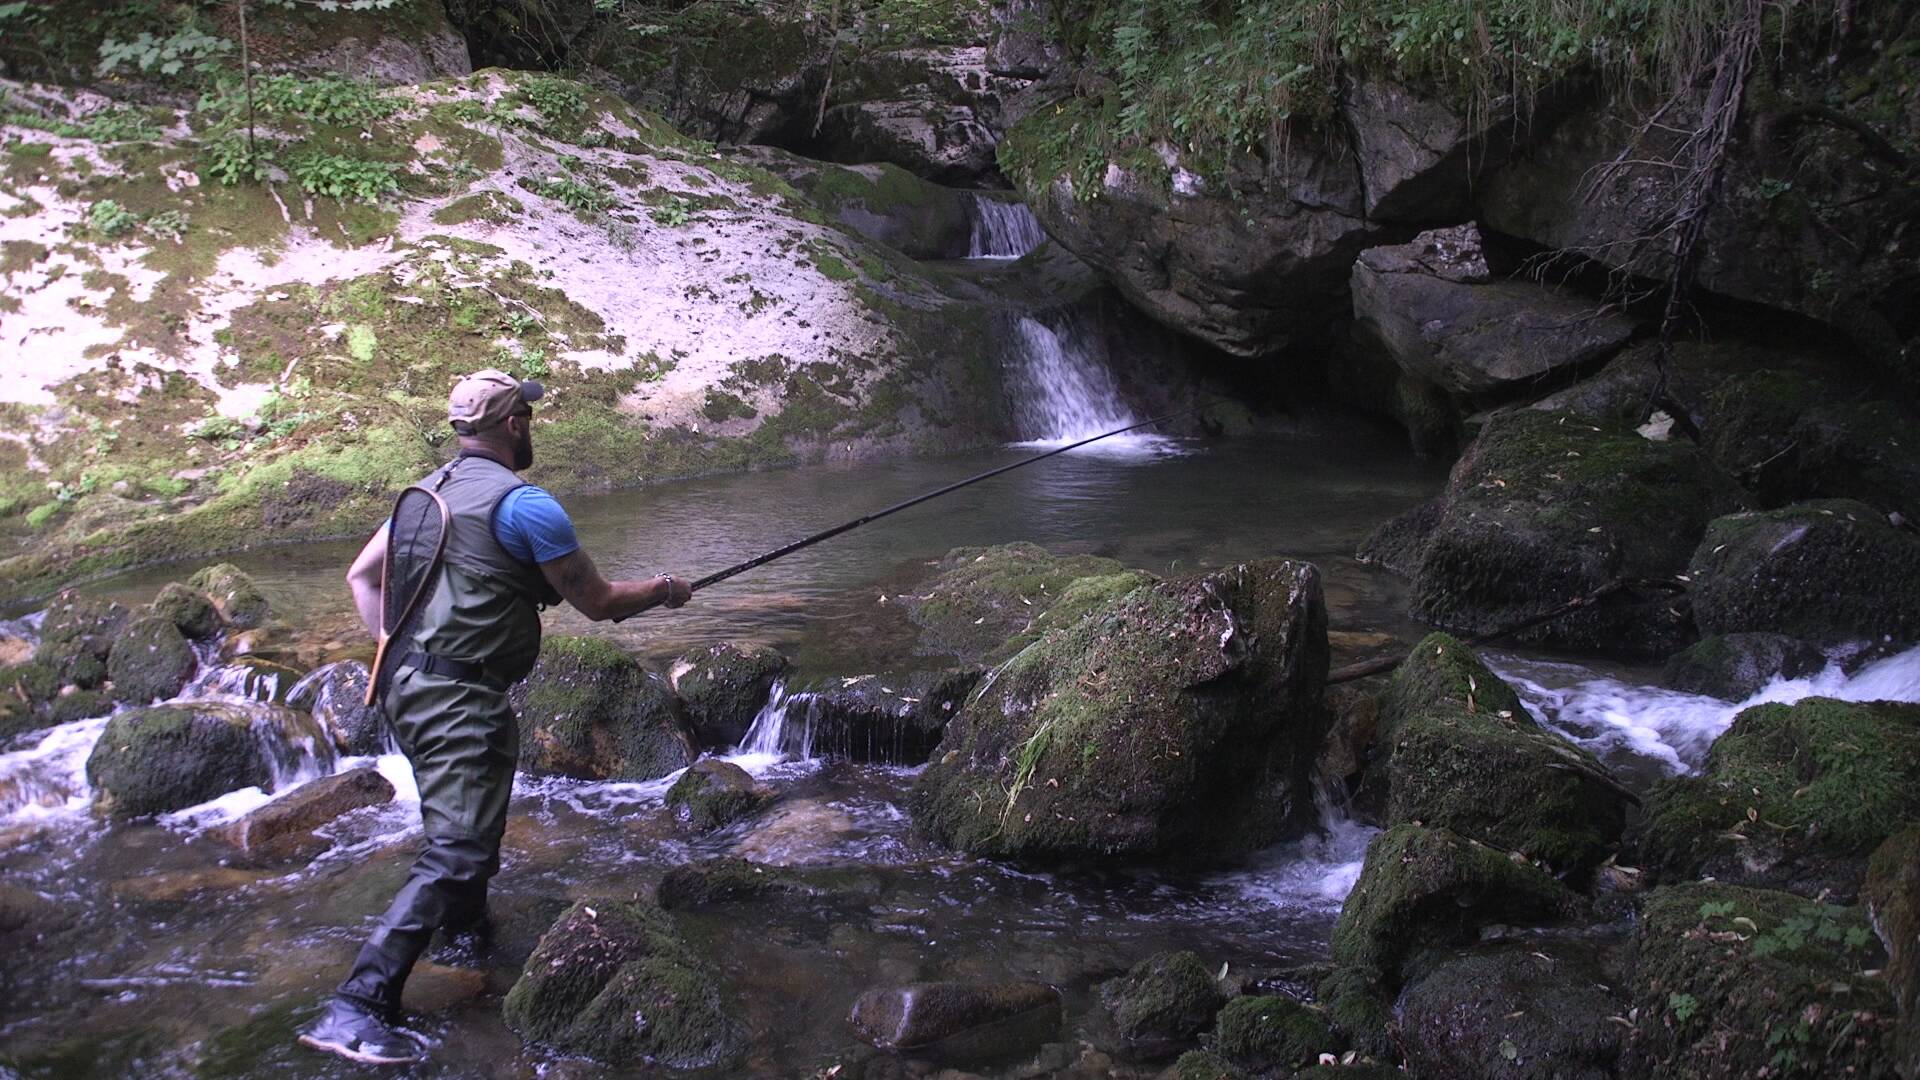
column 1063, row 391
column 1003, row 229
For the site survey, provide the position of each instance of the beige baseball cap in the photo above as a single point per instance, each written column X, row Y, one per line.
column 485, row 398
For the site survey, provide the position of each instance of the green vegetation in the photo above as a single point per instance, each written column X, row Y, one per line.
column 344, row 178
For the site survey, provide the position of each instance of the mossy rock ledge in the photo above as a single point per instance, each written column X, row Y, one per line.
column 983, row 596
column 613, row 980
column 1462, row 753
column 1792, row 797
column 1733, row 982
column 1532, row 1011
column 1179, row 719
column 723, row 687
column 169, row 757
column 590, row 711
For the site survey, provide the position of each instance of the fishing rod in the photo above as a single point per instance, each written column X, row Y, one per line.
column 828, row 534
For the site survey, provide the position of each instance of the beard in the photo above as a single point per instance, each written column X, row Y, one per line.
column 523, row 450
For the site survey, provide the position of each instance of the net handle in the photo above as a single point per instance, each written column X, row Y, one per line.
column 376, row 684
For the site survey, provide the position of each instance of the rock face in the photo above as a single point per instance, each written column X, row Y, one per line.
column 1831, row 571
column 1892, row 896
column 936, row 113
column 713, row 794
column 1462, row 753
column 1545, row 508
column 1792, row 797
column 169, row 757
column 240, row 601
column 61, row 678
column 336, row 696
column 759, row 82
column 923, row 1015
column 613, row 980
column 723, row 686
column 1433, row 306
column 1176, row 720
column 882, row 202
column 284, row 828
column 1734, row 667
column 1164, row 999
column 150, row 661
column 591, row 711
column 1540, row 1013
column 1273, row 1033
column 1734, row 982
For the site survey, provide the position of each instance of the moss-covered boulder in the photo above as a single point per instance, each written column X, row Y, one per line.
column 1892, row 897
column 961, row 1020
column 713, row 794
column 1792, row 797
column 613, row 980
column 76, row 636
column 891, row 719
column 1462, row 753
column 1537, row 1011
column 1179, row 720
column 1164, row 999
column 336, row 695
column 983, row 596
column 1732, row 982
column 1203, row 1065
column 1789, row 436
column 589, row 710
column 1830, row 571
column 1545, row 508
column 1734, row 667
column 240, row 601
column 723, row 687
column 76, row 705
column 189, row 610
column 151, row 661
column 1273, row 1033
column 169, row 757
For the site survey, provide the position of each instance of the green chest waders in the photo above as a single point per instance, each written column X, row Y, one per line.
column 462, row 623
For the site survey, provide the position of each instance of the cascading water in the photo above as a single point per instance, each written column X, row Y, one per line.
column 772, row 738
column 1063, row 392
column 1003, row 229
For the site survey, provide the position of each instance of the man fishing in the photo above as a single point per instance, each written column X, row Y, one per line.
column 453, row 584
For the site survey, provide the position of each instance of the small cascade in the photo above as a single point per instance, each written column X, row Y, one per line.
column 1063, row 391
column 1003, row 229
column 771, row 735
column 244, row 682
column 49, row 778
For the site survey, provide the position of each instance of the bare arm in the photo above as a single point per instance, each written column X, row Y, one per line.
column 581, row 584
column 364, row 579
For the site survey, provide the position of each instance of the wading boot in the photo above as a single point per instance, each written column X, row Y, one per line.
column 352, row 1031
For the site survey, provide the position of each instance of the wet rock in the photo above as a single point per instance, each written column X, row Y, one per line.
column 923, row 1017
column 589, row 710
column 758, row 83
column 1423, row 888
column 189, row 610
column 1203, row 1065
column 1734, row 667
column 1269, row 1033
column 723, row 687
column 1863, row 450
column 1462, row 753
column 284, row 828
column 1165, row 999
column 798, row 832
column 613, row 980
column 175, row 886
column 718, row 881
column 1435, row 308
column 1892, row 897
column 935, row 112
column 1144, row 726
column 896, row 720
column 983, row 596
column 1830, row 572
column 336, row 695
column 1398, row 544
column 1540, row 1012
column 73, row 704
column 168, row 757
column 1734, row 982
column 240, row 601
column 1546, row 508
column 1792, row 797
column 1350, row 739
column 435, row 988
column 76, row 636
column 25, row 914
column 151, row 661
column 713, row 794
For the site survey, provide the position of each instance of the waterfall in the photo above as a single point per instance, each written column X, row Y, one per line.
column 1003, row 229
column 1062, row 391
column 770, row 735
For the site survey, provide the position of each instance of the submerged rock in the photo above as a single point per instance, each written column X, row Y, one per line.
column 717, row 881
column 1791, row 797
column 1734, row 667
column 1734, row 982
column 613, row 980
column 1546, row 508
column 590, row 711
column 723, row 687
column 169, row 757
column 1165, row 999
column 925, row 1016
column 189, row 610
column 1178, row 720
column 1270, row 1032
column 240, row 601
column 1892, row 896
column 151, row 661
column 713, row 794
column 799, row 832
column 1462, row 753
column 284, row 828
column 1535, row 1012
column 1830, row 572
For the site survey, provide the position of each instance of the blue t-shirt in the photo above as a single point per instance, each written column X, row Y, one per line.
column 533, row 528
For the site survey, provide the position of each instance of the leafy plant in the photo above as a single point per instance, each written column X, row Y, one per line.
column 167, row 224
column 228, row 160
column 109, row 219
column 674, row 211
column 577, row 194
column 1683, row 1006
column 325, row 99
column 190, row 44
column 558, row 100
column 338, row 176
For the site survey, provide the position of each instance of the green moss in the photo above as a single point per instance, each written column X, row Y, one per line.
column 490, row 206
column 154, row 760
column 1165, row 998
column 1892, row 896
column 239, row 600
column 589, row 710
column 714, row 794
column 1263, row 1033
column 1204, row 1065
column 150, row 660
column 984, row 596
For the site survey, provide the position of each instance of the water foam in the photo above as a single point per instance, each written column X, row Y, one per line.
column 1064, row 393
